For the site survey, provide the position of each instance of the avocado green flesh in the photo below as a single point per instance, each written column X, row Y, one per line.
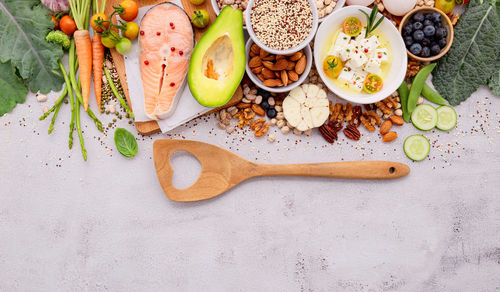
column 218, row 61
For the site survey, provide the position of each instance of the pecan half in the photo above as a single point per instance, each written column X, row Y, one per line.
column 328, row 133
column 352, row 132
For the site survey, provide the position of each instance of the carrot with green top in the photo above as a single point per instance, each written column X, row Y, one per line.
column 81, row 10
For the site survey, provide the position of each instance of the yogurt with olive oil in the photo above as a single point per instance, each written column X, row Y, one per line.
column 361, row 56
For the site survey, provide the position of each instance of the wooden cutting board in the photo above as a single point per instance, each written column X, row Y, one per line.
column 151, row 127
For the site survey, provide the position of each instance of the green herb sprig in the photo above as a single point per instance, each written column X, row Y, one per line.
column 125, row 142
column 371, row 20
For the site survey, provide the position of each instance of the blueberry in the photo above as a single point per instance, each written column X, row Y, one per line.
column 265, row 105
column 416, row 49
column 441, row 32
column 436, row 17
column 418, row 17
column 271, row 113
column 417, row 26
column 408, row 41
column 442, row 42
column 265, row 94
column 429, row 30
column 428, row 16
column 408, row 29
column 418, row 35
column 426, row 42
column 428, row 22
column 435, row 49
column 426, row 52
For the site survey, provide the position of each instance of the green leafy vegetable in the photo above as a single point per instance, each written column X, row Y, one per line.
column 125, row 142
column 12, row 88
column 494, row 83
column 474, row 56
column 23, row 26
column 59, row 38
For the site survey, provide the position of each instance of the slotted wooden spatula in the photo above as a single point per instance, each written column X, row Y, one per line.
column 222, row 170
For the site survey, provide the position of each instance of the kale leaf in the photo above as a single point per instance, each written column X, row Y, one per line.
column 13, row 90
column 474, row 56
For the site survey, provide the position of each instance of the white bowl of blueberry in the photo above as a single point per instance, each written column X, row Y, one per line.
column 427, row 33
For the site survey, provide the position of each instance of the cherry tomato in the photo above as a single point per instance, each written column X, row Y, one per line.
column 67, row 25
column 109, row 38
column 129, row 10
column 352, row 26
column 97, row 18
column 124, row 46
column 54, row 20
column 200, row 18
column 131, row 31
column 373, row 83
column 445, row 5
column 332, row 66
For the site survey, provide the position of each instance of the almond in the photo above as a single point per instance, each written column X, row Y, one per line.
column 255, row 62
column 280, row 65
column 269, row 58
column 255, row 49
column 268, row 74
column 243, row 105
column 268, row 65
column 257, row 70
column 386, row 126
column 295, row 57
column 284, row 77
column 279, row 57
column 398, row 121
column 293, row 76
column 252, row 54
column 291, row 66
column 273, row 82
column 261, row 77
column 277, row 74
column 263, row 53
column 258, row 110
column 391, row 136
column 300, row 67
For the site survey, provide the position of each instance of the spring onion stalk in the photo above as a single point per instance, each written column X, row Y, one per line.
column 115, row 92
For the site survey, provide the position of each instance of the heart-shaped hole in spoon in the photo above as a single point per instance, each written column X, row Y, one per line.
column 186, row 169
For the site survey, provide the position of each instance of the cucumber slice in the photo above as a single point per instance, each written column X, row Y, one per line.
column 424, row 117
column 447, row 118
column 416, row 147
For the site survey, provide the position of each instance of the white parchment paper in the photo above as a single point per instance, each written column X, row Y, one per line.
column 187, row 108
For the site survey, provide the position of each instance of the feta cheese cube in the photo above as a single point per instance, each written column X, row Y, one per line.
column 358, row 80
column 373, row 66
column 334, row 51
column 345, row 54
column 373, row 43
column 357, row 61
column 382, row 54
column 346, row 75
column 361, row 36
column 342, row 40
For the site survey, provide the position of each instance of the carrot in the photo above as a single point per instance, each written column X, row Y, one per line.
column 84, row 53
column 97, row 60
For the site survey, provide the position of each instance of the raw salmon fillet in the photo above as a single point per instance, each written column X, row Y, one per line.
column 166, row 39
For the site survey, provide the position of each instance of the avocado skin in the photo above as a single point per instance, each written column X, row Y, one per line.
column 208, row 92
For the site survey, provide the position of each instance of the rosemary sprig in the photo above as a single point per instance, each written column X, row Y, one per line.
column 371, row 20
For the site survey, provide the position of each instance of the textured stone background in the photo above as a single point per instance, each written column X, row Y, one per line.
column 105, row 225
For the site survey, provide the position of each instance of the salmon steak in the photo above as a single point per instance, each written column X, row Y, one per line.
column 166, row 42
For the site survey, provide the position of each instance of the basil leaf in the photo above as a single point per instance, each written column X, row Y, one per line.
column 125, row 142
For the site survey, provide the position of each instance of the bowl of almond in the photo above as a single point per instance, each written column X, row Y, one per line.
column 277, row 73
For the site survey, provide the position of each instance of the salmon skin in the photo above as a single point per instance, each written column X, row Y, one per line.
column 166, row 40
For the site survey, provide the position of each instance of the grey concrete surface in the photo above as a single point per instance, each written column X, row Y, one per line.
column 105, row 225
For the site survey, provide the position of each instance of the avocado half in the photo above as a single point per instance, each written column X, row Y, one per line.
column 218, row 61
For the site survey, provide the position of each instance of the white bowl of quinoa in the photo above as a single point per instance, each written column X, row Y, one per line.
column 282, row 27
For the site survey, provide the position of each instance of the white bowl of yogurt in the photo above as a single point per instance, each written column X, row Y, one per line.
column 382, row 53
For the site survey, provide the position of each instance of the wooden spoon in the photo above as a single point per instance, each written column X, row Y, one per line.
column 222, row 170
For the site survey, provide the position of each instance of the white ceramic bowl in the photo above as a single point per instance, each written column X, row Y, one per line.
column 340, row 4
column 256, row 80
column 215, row 7
column 302, row 45
column 397, row 71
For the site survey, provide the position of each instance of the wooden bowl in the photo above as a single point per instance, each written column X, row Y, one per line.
column 446, row 24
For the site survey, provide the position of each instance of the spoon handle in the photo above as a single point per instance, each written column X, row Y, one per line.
column 348, row 169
